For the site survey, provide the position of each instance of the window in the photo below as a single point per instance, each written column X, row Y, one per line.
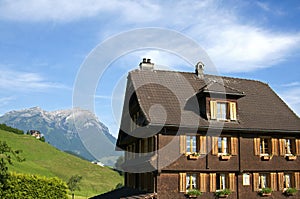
column 191, row 144
column 191, row 181
column 223, row 145
column 263, row 180
column 221, row 181
column 223, row 110
column 264, row 146
column 287, row 180
column 287, row 146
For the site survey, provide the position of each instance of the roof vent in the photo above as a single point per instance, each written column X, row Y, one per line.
column 146, row 64
column 200, row 70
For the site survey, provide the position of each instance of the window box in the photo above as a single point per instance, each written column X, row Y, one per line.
column 291, row 157
column 266, row 157
column 290, row 191
column 225, row 157
column 193, row 156
column 265, row 192
column 194, row 193
column 223, row 193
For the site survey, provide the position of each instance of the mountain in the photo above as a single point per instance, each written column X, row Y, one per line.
column 75, row 130
column 45, row 160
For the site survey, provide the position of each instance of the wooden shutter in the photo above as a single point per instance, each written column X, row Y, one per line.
column 297, row 180
column 214, row 146
column 273, row 181
column 274, row 143
column 213, row 110
column 202, row 182
column 297, row 146
column 234, row 145
column 256, row 146
column 202, row 144
column 232, row 108
column 280, row 181
column 232, row 182
column 255, row 180
column 293, row 146
column 182, row 182
column 182, row 143
column 212, row 182
column 281, row 147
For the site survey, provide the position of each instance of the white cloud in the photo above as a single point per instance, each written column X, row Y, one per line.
column 235, row 45
column 25, row 81
column 66, row 10
column 292, row 97
column 6, row 100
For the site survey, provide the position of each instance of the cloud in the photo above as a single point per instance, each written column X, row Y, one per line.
column 66, row 10
column 234, row 44
column 6, row 100
column 25, row 81
column 292, row 96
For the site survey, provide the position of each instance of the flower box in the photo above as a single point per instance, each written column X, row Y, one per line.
column 266, row 194
column 193, row 156
column 222, row 196
column 225, row 157
column 265, row 158
column 291, row 157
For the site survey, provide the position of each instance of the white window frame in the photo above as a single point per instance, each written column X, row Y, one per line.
column 263, row 181
column 262, row 149
column 223, row 143
column 191, row 144
column 191, row 181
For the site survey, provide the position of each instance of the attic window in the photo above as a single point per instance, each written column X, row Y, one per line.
column 223, row 110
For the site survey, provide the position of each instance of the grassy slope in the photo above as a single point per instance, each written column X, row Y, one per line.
column 43, row 159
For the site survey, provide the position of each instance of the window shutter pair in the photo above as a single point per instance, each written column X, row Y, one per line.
column 297, row 147
column 232, row 108
column 297, row 180
column 202, row 144
column 256, row 146
column 255, row 179
column 202, row 182
column 274, row 144
column 213, row 110
column 182, row 182
column 234, row 146
column 232, row 181
column 182, row 144
column 273, row 181
column 214, row 146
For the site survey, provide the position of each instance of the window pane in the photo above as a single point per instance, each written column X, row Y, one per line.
column 191, row 144
column 222, row 111
column 191, row 181
column 287, row 180
column 222, row 145
column 264, row 148
column 263, row 181
column 287, row 146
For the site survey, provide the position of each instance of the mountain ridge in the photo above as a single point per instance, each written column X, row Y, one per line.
column 67, row 130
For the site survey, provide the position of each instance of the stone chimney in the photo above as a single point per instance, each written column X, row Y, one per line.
column 146, row 64
column 199, row 70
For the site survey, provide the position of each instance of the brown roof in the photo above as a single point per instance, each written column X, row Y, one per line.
column 126, row 193
column 164, row 98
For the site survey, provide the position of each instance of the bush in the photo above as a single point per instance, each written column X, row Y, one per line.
column 11, row 129
column 33, row 187
column 223, row 192
column 291, row 191
column 194, row 192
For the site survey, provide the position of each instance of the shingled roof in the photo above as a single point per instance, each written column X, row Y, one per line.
column 259, row 108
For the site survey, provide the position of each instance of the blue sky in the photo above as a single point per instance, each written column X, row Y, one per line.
column 43, row 44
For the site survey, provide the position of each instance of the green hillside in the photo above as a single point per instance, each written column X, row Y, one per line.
column 43, row 159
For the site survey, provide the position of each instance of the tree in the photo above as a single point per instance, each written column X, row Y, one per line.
column 6, row 156
column 73, row 184
column 118, row 165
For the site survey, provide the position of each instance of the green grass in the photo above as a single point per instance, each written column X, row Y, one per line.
column 45, row 160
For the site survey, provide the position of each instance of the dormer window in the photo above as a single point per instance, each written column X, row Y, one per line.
column 223, row 110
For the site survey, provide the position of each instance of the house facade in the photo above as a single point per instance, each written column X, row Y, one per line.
column 183, row 131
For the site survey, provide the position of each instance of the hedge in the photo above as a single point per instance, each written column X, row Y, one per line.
column 34, row 187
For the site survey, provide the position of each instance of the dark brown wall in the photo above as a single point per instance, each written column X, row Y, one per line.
column 250, row 162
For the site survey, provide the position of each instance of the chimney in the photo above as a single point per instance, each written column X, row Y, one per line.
column 200, row 70
column 146, row 64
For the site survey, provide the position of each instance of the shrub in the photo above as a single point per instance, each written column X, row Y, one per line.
column 291, row 191
column 32, row 186
column 223, row 192
column 11, row 129
column 194, row 192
